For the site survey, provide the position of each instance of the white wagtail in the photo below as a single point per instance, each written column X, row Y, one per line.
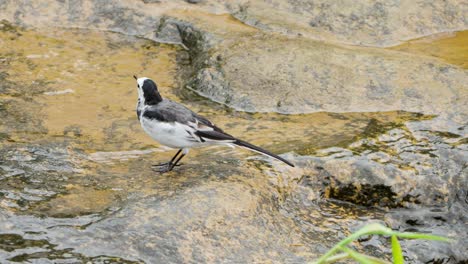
column 176, row 126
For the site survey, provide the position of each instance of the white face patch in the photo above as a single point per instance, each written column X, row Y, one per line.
column 140, row 82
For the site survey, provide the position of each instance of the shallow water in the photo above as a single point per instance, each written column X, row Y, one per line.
column 66, row 96
column 75, row 165
column 451, row 47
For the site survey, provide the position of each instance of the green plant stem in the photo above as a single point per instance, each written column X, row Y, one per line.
column 420, row 236
column 396, row 251
column 362, row 258
column 336, row 258
column 372, row 228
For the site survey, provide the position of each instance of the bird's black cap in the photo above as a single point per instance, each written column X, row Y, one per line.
column 150, row 92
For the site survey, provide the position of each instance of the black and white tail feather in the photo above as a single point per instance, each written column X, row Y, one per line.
column 176, row 126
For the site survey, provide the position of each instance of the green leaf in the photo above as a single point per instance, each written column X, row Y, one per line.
column 396, row 251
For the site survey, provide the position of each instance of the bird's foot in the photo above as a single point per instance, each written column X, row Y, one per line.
column 162, row 168
column 160, row 164
column 163, row 164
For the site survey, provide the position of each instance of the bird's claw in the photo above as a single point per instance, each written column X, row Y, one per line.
column 164, row 164
column 163, row 168
column 160, row 164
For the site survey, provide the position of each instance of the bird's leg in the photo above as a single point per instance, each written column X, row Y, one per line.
column 169, row 162
column 172, row 164
column 175, row 163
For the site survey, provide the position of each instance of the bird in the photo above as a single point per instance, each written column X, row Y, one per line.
column 176, row 126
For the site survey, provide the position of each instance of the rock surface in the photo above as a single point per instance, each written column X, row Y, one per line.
column 298, row 75
column 301, row 76
column 365, row 23
column 77, row 187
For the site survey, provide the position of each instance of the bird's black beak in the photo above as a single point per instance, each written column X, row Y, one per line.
column 134, row 76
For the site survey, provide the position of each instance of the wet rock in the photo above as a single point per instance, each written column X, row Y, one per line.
column 114, row 16
column 192, row 226
column 304, row 79
column 197, row 218
column 418, row 178
column 31, row 175
column 91, row 183
column 218, row 216
column 449, row 221
column 167, row 31
column 448, row 46
column 21, row 249
column 299, row 76
column 392, row 170
column 367, row 23
column 140, row 18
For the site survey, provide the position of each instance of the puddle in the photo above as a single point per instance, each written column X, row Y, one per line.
column 86, row 80
column 450, row 47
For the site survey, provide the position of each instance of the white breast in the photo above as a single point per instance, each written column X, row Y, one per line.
column 173, row 135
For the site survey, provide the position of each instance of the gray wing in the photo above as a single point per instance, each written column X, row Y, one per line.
column 200, row 127
column 169, row 111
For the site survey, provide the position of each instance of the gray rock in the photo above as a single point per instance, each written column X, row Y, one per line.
column 367, row 23
column 123, row 17
column 31, row 174
column 298, row 75
column 392, row 170
column 417, row 177
column 448, row 221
